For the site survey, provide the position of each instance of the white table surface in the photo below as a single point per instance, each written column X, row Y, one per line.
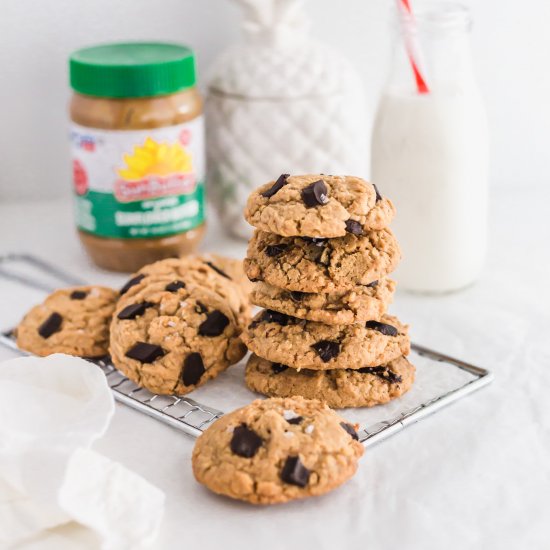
column 476, row 475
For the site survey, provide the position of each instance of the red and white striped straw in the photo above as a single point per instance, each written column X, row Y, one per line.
column 407, row 18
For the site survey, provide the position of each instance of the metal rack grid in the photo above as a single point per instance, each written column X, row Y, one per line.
column 192, row 417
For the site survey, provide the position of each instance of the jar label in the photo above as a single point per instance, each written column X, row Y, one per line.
column 139, row 183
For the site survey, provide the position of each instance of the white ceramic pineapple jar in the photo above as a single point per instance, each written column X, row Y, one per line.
column 279, row 102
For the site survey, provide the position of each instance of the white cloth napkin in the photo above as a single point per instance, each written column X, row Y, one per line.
column 51, row 410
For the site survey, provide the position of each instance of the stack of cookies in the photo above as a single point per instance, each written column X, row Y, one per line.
column 319, row 260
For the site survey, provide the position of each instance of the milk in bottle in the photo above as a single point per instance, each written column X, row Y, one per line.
column 430, row 155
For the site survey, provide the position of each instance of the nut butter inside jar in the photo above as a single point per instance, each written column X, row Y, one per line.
column 137, row 143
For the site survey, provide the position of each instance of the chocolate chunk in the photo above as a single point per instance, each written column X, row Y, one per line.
column 174, row 286
column 297, row 296
column 382, row 372
column 78, row 294
column 51, row 325
column 294, row 472
column 200, row 307
column 193, row 369
column 270, row 316
column 214, row 324
column 274, row 250
column 350, row 429
column 326, row 350
column 145, row 353
column 245, row 442
column 354, row 227
column 378, row 195
column 319, row 252
column 295, row 420
column 386, row 330
column 218, row 270
column 253, row 279
column 373, row 284
column 278, row 367
column 134, row 281
column 315, row 194
column 277, row 186
column 134, row 310
column 316, row 255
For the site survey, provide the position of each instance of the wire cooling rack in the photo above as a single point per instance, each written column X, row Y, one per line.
column 192, row 417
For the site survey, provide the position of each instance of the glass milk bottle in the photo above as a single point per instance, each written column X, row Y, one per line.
column 430, row 152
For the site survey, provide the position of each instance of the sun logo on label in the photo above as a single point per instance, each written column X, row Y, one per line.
column 155, row 170
column 155, row 159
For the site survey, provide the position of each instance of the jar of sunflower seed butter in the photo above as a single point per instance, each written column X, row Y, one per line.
column 138, row 161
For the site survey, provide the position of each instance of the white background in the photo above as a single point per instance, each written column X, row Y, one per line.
column 476, row 475
column 511, row 47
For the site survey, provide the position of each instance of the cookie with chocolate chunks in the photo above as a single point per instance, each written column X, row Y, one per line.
column 317, row 346
column 338, row 388
column 324, row 266
column 347, row 307
column 173, row 340
column 258, row 454
column 318, row 205
column 74, row 321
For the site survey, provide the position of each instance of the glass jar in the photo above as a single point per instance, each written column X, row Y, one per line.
column 137, row 142
column 430, row 153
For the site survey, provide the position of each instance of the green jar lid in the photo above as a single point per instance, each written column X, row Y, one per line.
column 134, row 69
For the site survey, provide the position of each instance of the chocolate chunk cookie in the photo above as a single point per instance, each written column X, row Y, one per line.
column 171, row 338
column 309, row 345
column 222, row 277
column 338, row 388
column 321, row 265
column 316, row 205
column 277, row 450
column 339, row 308
column 74, row 321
